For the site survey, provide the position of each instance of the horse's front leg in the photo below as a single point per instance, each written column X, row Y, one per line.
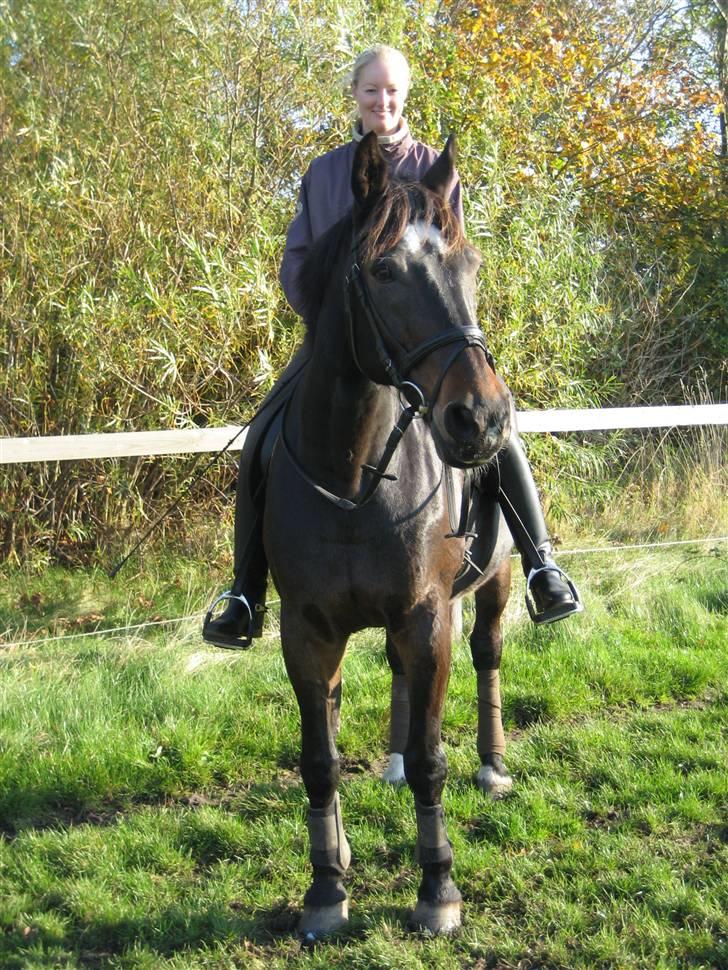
column 423, row 643
column 486, row 645
column 314, row 668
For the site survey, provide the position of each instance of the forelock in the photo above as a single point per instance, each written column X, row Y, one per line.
column 401, row 207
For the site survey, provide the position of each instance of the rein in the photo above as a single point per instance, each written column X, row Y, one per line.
column 470, row 336
column 377, row 472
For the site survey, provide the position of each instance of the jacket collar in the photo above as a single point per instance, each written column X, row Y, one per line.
column 401, row 140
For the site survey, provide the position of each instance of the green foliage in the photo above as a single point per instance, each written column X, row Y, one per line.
column 149, row 160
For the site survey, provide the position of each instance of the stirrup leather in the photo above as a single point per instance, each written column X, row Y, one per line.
column 229, row 642
column 557, row 612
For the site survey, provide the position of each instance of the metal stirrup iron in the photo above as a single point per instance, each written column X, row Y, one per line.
column 551, row 566
column 231, row 643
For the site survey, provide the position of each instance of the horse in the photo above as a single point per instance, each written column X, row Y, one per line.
column 365, row 509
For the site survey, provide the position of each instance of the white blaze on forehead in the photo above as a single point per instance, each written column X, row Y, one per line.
column 419, row 233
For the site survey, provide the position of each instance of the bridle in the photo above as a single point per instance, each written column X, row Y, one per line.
column 397, row 363
column 398, row 371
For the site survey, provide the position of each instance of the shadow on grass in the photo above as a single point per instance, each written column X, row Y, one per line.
column 164, row 933
column 178, row 928
column 526, row 709
column 42, row 809
column 39, row 809
column 714, row 601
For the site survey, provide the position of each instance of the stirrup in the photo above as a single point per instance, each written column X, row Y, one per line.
column 560, row 610
column 229, row 641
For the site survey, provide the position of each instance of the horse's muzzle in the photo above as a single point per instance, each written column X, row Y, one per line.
column 470, row 433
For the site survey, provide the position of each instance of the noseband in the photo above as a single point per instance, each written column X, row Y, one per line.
column 397, row 372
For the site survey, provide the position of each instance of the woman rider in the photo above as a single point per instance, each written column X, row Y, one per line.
column 380, row 83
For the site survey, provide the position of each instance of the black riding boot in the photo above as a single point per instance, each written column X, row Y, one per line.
column 550, row 594
column 242, row 619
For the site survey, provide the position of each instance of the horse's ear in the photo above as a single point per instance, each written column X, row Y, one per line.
column 369, row 175
column 439, row 177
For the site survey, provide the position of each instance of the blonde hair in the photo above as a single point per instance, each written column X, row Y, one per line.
column 378, row 52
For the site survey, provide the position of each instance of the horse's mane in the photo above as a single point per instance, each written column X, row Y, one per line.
column 315, row 270
column 401, row 204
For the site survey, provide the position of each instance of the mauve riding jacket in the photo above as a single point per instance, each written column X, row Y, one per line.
column 326, row 196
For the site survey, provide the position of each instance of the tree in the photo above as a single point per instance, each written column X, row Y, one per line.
column 150, row 155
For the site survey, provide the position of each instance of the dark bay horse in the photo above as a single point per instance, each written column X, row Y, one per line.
column 360, row 529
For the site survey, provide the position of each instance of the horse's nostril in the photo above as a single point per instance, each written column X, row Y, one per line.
column 461, row 423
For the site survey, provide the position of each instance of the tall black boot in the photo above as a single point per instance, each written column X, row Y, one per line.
column 550, row 594
column 242, row 619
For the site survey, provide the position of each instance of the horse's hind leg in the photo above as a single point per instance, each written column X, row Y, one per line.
column 399, row 711
column 424, row 646
column 314, row 668
column 399, row 705
column 486, row 645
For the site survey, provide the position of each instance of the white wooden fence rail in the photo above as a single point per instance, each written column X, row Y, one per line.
column 185, row 441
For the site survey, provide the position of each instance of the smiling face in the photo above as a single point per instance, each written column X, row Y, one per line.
column 380, row 92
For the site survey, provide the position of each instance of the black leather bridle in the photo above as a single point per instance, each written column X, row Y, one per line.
column 397, row 363
column 397, row 371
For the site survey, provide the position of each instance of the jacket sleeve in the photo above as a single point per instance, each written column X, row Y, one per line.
column 298, row 242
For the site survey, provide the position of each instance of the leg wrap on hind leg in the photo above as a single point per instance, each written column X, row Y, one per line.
column 399, row 715
column 433, row 845
column 329, row 847
column 491, row 739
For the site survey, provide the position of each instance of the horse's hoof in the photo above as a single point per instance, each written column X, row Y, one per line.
column 495, row 783
column 393, row 774
column 319, row 921
column 437, row 919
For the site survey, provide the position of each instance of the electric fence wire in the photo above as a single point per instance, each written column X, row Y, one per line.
column 106, row 632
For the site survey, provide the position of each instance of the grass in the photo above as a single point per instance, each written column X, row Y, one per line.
column 152, row 816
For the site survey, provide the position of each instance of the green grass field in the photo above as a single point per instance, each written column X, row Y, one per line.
column 151, row 813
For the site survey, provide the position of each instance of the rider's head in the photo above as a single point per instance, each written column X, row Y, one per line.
column 379, row 84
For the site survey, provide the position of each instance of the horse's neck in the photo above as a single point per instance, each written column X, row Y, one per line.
column 341, row 419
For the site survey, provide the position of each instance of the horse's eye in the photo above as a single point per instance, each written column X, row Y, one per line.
column 381, row 271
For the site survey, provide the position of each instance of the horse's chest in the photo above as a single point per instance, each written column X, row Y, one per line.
column 394, row 544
